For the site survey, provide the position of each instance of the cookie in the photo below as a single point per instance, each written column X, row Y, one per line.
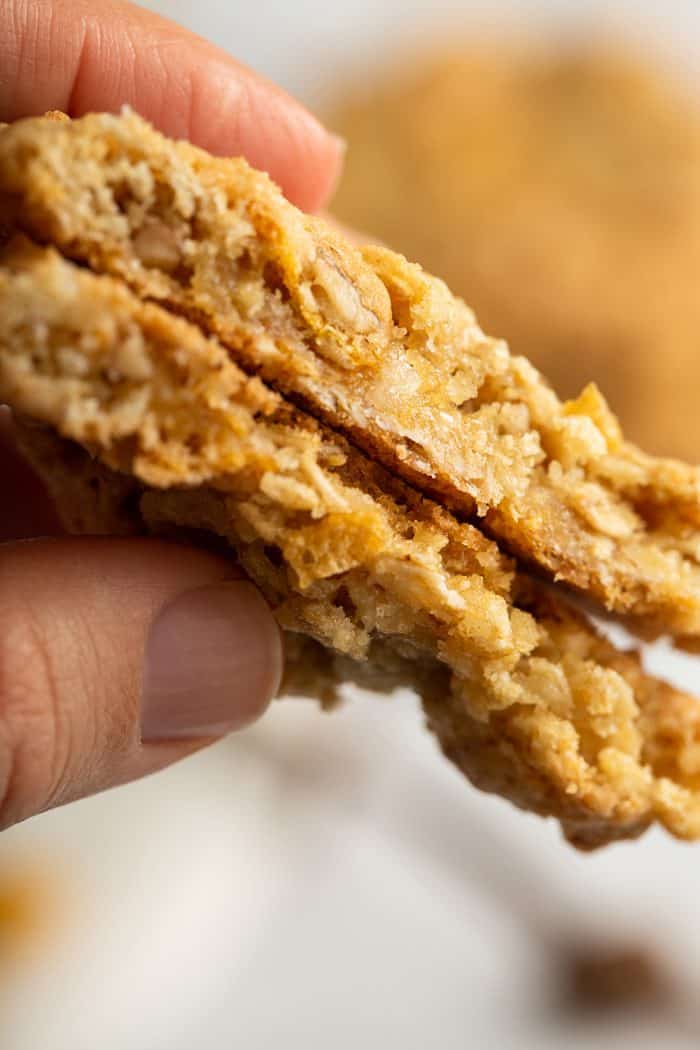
column 373, row 346
column 141, row 423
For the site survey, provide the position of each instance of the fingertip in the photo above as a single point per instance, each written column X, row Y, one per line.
column 309, row 163
column 198, row 92
column 256, row 119
column 317, row 189
column 213, row 663
column 85, row 60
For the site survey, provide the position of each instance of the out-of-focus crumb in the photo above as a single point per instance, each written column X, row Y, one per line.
column 29, row 909
column 607, row 979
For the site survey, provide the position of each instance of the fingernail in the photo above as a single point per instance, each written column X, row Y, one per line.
column 213, row 662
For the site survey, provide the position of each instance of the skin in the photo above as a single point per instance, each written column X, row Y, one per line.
column 76, row 615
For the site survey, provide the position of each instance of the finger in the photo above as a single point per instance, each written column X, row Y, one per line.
column 117, row 658
column 27, row 509
column 80, row 55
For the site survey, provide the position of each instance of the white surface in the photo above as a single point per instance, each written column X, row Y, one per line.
column 328, row 882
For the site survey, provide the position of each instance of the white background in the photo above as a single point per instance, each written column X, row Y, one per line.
column 326, row 881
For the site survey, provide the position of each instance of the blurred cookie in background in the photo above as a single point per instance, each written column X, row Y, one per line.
column 559, row 194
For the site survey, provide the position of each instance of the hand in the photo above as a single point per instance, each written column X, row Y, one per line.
column 118, row 657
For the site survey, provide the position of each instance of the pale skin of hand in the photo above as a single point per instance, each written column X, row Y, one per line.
column 119, row 657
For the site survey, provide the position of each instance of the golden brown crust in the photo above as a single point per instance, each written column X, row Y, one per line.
column 519, row 689
column 375, row 347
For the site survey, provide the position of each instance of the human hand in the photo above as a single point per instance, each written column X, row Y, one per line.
column 119, row 657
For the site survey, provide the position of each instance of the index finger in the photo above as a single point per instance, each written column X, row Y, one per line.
column 82, row 55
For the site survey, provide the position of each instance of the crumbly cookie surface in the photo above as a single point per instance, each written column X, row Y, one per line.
column 152, row 427
column 373, row 346
column 559, row 193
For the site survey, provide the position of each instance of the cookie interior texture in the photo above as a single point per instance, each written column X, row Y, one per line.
column 559, row 193
column 142, row 424
column 373, row 346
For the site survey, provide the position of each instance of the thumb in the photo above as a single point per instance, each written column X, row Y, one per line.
column 118, row 657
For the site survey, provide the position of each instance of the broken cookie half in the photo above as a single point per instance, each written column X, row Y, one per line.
column 142, row 423
column 374, row 347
